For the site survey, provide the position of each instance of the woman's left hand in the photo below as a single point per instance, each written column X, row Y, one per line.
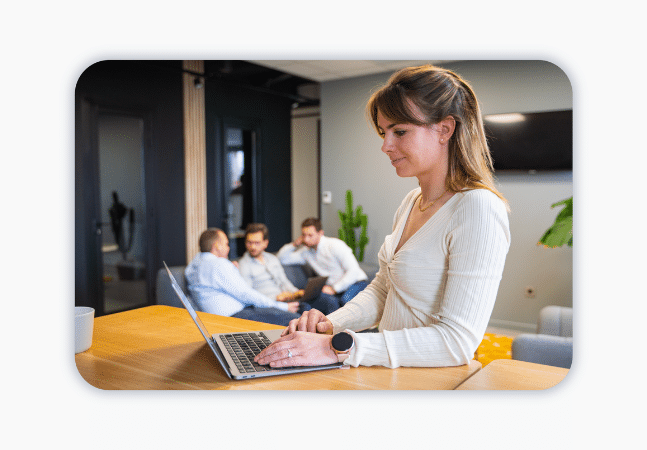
column 299, row 349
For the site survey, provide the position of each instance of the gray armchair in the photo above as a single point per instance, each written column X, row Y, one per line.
column 553, row 343
column 164, row 290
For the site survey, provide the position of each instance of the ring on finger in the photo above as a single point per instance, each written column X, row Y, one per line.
column 289, row 354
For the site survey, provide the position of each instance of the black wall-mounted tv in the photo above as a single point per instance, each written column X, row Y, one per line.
column 541, row 141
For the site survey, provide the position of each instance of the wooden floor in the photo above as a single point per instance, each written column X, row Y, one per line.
column 122, row 294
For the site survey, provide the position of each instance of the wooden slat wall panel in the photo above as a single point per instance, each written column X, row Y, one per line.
column 194, row 158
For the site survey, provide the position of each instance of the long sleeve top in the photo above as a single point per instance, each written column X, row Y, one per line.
column 268, row 278
column 218, row 288
column 332, row 258
column 434, row 297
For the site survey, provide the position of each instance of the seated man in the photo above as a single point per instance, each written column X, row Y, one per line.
column 264, row 272
column 217, row 286
column 329, row 257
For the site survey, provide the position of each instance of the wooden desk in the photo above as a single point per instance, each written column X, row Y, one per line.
column 159, row 347
column 509, row 374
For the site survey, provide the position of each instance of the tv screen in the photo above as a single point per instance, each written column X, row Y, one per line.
column 538, row 141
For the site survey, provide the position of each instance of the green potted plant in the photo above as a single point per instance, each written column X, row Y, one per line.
column 561, row 232
column 353, row 227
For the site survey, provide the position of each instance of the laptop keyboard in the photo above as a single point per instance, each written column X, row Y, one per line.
column 243, row 347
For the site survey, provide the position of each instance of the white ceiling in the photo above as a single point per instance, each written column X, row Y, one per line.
column 327, row 70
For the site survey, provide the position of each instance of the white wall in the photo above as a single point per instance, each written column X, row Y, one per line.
column 351, row 159
column 305, row 167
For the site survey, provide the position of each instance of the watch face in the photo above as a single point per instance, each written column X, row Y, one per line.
column 342, row 342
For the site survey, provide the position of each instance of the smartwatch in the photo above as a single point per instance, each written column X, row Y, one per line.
column 342, row 343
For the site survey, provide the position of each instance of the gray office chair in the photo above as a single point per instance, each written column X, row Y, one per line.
column 553, row 343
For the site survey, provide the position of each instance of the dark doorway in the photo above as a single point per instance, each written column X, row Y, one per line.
column 241, row 182
column 123, row 211
column 148, row 96
column 112, row 215
column 261, row 121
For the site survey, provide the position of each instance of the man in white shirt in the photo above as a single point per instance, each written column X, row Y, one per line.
column 329, row 257
column 263, row 272
column 218, row 288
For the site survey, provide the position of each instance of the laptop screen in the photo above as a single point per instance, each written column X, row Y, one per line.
column 188, row 304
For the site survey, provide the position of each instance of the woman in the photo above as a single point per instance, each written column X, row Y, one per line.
column 441, row 266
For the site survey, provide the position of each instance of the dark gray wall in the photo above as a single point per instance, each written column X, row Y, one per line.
column 152, row 90
column 271, row 115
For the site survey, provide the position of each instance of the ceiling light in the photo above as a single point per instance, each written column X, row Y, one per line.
column 505, row 118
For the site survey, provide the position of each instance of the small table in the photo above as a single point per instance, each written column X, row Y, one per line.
column 510, row 374
column 159, row 347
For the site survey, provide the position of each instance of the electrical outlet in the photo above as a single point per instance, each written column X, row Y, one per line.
column 529, row 291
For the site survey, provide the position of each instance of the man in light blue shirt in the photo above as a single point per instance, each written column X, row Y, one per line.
column 218, row 288
column 328, row 257
column 263, row 271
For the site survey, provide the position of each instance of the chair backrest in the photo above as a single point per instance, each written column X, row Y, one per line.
column 164, row 290
column 543, row 349
column 556, row 321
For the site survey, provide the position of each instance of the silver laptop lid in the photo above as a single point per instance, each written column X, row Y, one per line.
column 191, row 308
column 221, row 354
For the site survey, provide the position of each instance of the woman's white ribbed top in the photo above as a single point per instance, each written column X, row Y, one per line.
column 434, row 297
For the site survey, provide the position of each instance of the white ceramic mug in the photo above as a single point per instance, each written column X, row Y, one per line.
column 83, row 326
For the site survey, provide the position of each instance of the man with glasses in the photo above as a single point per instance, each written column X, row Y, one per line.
column 263, row 272
column 218, row 288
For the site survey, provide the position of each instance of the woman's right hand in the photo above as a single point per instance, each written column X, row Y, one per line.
column 313, row 321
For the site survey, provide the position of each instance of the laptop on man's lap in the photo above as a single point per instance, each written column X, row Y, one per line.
column 313, row 288
column 235, row 351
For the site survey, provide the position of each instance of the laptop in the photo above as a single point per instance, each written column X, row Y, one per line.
column 313, row 288
column 235, row 351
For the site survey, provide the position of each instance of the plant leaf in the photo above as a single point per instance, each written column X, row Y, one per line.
column 561, row 232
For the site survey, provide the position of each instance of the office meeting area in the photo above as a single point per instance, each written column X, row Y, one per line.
column 169, row 150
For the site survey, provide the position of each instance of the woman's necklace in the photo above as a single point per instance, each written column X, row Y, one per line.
column 430, row 204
